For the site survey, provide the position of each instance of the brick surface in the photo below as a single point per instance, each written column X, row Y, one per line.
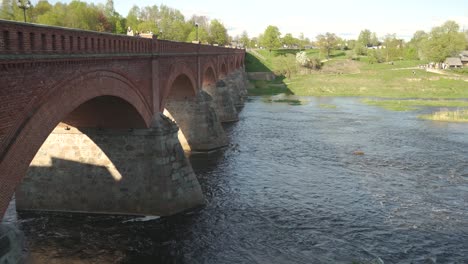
column 46, row 73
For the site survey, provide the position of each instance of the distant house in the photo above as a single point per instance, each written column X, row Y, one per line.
column 453, row 62
column 464, row 57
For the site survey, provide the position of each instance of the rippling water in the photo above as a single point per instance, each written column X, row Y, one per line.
column 290, row 190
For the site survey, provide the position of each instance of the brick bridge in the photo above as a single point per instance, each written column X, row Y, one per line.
column 82, row 125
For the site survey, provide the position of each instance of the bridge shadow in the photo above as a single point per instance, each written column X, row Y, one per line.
column 65, row 184
column 263, row 80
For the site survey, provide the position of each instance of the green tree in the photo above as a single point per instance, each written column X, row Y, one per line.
column 218, row 33
column 244, row 39
column 443, row 42
column 393, row 47
column 271, row 38
column 288, row 40
column 327, row 42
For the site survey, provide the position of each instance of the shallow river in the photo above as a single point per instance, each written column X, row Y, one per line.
column 290, row 190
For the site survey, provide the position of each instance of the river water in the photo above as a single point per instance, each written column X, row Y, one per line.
column 290, row 190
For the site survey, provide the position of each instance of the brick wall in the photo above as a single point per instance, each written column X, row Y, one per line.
column 47, row 72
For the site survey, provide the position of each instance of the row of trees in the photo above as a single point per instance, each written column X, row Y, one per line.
column 441, row 42
column 168, row 23
column 271, row 39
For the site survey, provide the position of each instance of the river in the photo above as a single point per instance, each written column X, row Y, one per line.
column 290, row 189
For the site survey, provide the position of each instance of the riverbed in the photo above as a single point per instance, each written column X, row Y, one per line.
column 331, row 180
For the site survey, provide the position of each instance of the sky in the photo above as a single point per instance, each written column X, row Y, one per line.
column 346, row 18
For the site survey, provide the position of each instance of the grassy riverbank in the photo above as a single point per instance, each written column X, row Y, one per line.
column 402, row 85
column 448, row 116
column 408, row 105
column 343, row 77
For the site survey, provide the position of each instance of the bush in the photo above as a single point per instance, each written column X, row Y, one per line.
column 303, row 60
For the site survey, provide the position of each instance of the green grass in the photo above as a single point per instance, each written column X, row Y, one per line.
column 288, row 101
column 342, row 77
column 460, row 115
column 376, row 82
column 407, row 105
column 327, row 106
column 255, row 64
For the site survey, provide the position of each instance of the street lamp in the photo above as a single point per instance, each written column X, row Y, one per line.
column 24, row 6
column 196, row 25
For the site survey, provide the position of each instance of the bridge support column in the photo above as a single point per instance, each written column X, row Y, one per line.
column 137, row 172
column 11, row 245
column 223, row 101
column 200, row 128
column 236, row 83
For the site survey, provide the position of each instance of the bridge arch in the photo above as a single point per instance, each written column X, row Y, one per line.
column 209, row 76
column 71, row 101
column 223, row 71
column 237, row 63
column 180, row 84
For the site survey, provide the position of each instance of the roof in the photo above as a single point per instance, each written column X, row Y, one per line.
column 464, row 53
column 453, row 62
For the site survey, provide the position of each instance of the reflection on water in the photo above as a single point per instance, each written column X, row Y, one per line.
column 290, row 190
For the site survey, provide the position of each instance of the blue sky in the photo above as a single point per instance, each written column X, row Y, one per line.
column 344, row 18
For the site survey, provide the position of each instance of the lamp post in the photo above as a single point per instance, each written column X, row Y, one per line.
column 196, row 25
column 24, row 6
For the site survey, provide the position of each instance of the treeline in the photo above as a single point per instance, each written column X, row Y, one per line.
column 441, row 42
column 168, row 23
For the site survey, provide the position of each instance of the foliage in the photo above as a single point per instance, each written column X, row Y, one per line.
column 244, row 40
column 327, row 42
column 218, row 33
column 289, row 41
column 285, row 65
column 442, row 42
column 406, row 105
column 271, row 38
column 168, row 23
column 460, row 115
column 303, row 60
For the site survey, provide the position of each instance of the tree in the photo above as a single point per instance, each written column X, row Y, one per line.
column 244, row 39
column 393, row 47
column 365, row 37
column 327, row 42
column 443, row 42
column 271, row 38
column 218, row 33
column 288, row 40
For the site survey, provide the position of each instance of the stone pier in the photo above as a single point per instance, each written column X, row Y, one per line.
column 11, row 245
column 223, row 101
column 200, row 127
column 237, row 86
column 111, row 171
column 229, row 94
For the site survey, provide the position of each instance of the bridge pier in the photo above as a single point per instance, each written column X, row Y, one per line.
column 137, row 172
column 236, row 83
column 11, row 245
column 200, row 128
column 223, row 101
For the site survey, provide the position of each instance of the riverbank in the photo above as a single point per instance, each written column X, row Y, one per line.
column 340, row 77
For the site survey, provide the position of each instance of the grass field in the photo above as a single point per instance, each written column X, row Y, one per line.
column 342, row 77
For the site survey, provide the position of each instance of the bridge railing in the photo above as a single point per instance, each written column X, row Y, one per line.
column 18, row 38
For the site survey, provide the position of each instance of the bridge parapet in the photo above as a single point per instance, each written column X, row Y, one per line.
column 18, row 38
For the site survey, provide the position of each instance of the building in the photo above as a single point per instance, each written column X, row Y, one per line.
column 453, row 62
column 464, row 57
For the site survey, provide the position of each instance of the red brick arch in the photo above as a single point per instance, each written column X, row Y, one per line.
column 223, row 69
column 54, row 107
column 205, row 73
column 177, row 69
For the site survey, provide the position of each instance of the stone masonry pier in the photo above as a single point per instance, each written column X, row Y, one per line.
column 111, row 171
